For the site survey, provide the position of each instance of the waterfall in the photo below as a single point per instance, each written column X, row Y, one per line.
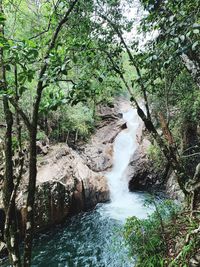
column 124, row 203
column 124, row 146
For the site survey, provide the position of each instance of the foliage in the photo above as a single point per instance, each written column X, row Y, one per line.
column 177, row 24
column 41, row 135
column 76, row 121
column 146, row 237
column 157, row 240
column 156, row 156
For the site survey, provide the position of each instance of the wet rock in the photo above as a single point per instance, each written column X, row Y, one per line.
column 141, row 173
column 52, row 204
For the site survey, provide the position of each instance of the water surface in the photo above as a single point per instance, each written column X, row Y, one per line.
column 90, row 239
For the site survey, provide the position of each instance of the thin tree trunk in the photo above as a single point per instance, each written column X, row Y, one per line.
column 30, row 198
column 19, row 127
column 11, row 231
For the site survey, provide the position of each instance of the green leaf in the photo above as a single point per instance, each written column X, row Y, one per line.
column 22, row 77
column 2, row 18
column 188, row 34
column 22, row 89
column 64, row 72
column 171, row 18
column 196, row 31
column 196, row 25
column 8, row 68
column 182, row 37
column 194, row 45
column 176, row 40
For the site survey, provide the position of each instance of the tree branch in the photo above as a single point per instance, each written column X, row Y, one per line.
column 45, row 65
column 21, row 113
column 132, row 60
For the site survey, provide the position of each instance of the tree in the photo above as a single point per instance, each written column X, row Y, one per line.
column 9, row 192
column 177, row 23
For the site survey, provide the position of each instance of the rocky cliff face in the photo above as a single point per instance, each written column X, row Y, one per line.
column 98, row 152
column 143, row 176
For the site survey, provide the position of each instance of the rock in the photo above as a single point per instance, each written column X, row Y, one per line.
column 42, row 148
column 65, row 186
column 141, row 173
column 52, row 204
column 98, row 153
column 173, row 189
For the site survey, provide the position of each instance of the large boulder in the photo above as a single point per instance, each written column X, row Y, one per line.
column 65, row 186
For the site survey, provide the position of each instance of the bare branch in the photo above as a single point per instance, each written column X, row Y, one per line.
column 191, row 155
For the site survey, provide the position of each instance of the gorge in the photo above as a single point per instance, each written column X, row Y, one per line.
column 93, row 238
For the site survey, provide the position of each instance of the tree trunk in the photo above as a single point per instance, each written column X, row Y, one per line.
column 31, row 198
column 169, row 152
column 192, row 63
column 11, row 231
column 19, row 127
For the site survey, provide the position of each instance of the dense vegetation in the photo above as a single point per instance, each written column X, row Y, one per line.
column 60, row 59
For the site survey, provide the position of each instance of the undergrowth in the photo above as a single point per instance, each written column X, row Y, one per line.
column 160, row 240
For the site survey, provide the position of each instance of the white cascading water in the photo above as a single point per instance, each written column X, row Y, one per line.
column 124, row 203
column 124, row 146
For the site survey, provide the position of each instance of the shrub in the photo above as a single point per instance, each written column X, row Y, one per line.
column 147, row 238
